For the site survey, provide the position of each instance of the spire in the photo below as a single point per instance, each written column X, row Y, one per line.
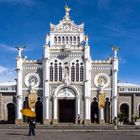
column 67, row 10
column 20, row 50
column 115, row 49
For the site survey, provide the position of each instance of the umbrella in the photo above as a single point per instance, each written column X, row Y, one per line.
column 28, row 112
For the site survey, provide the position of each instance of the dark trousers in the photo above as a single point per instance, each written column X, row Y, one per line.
column 31, row 131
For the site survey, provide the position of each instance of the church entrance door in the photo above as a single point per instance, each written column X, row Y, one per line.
column 66, row 110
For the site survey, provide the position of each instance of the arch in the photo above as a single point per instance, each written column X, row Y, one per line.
column 60, row 73
column 81, row 73
column 70, row 39
column 77, row 71
column 51, row 73
column 59, row 40
column 55, row 71
column 78, row 39
column 107, row 111
column 39, row 110
column 67, row 39
column 11, row 113
column 25, row 105
column 64, row 86
column 63, row 39
column 138, row 110
column 124, row 108
column 73, row 73
column 94, row 111
column 66, row 97
column 74, row 38
column 55, row 40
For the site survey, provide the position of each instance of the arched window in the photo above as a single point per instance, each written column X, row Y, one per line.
column 56, row 72
column 81, row 73
column 70, row 40
column 63, row 39
column 77, row 72
column 55, row 39
column 139, row 110
column 78, row 39
column 74, row 39
column 51, row 73
column 60, row 73
column 59, row 39
column 67, row 39
column 73, row 73
column 124, row 109
column 94, row 111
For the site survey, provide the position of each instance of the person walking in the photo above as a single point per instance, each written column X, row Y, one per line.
column 115, row 122
column 32, row 124
column 78, row 119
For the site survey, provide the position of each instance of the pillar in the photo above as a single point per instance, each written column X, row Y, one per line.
column 87, row 110
column 87, row 86
column 46, row 89
column 114, row 83
column 46, row 110
column 55, row 110
column 19, row 93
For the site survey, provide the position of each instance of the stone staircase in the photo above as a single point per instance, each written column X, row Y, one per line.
column 73, row 127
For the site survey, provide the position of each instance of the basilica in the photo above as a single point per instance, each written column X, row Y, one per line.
column 66, row 83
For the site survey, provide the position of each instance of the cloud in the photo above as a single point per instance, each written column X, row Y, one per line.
column 25, row 2
column 7, row 47
column 7, row 74
column 2, row 69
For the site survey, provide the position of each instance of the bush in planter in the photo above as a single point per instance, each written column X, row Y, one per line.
column 121, row 117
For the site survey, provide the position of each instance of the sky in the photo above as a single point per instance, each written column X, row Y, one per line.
column 107, row 23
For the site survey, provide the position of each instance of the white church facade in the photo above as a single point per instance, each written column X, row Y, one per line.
column 66, row 82
column 66, row 79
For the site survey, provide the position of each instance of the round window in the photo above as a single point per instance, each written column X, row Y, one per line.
column 32, row 80
column 101, row 80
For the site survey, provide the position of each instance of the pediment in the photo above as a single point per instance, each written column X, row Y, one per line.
column 66, row 26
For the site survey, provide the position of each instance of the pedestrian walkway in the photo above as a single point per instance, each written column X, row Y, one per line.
column 69, row 127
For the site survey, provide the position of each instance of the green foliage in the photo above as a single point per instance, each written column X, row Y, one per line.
column 121, row 116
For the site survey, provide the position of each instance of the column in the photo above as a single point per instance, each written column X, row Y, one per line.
column 77, row 109
column 19, row 96
column 19, row 63
column 87, row 87
column 114, row 82
column 133, row 105
column 114, row 95
column 55, row 109
column 46, row 110
column 78, row 105
column 87, row 110
column 46, row 89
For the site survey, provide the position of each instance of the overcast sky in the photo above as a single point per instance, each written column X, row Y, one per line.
column 107, row 23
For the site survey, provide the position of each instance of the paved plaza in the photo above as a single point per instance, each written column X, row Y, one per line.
column 42, row 134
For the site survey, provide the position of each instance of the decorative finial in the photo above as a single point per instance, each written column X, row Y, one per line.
column 20, row 48
column 115, row 49
column 67, row 9
column 86, row 39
